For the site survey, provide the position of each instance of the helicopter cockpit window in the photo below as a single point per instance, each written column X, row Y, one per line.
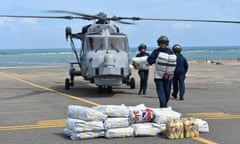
column 95, row 43
column 118, row 43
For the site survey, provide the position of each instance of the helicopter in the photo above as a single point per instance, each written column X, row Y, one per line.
column 103, row 58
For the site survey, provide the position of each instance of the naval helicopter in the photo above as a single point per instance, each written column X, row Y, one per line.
column 103, row 58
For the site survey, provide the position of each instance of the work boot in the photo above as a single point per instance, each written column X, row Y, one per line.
column 140, row 92
column 174, row 96
column 144, row 92
column 181, row 98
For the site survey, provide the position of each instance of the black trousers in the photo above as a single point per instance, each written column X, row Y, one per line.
column 143, row 74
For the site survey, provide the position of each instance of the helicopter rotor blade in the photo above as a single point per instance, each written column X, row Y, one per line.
column 86, row 16
column 103, row 17
column 124, row 22
column 46, row 17
column 183, row 20
column 116, row 19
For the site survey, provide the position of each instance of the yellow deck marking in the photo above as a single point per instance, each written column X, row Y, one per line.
column 62, row 122
column 47, row 123
column 38, row 125
column 51, row 90
column 214, row 116
column 205, row 141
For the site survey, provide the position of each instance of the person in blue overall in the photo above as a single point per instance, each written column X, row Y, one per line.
column 180, row 72
column 162, row 80
column 143, row 70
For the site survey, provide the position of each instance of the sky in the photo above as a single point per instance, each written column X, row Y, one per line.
column 22, row 33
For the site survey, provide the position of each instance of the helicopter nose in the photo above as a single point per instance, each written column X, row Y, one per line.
column 109, row 60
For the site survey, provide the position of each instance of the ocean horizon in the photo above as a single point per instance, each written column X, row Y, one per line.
column 62, row 56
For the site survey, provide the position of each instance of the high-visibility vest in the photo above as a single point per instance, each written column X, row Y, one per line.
column 165, row 64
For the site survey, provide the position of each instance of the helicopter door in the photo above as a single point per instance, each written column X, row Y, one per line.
column 81, row 56
column 83, row 59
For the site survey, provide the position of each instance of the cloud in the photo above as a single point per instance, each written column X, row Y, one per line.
column 143, row 31
column 180, row 26
column 127, row 27
column 15, row 24
column 8, row 24
column 6, row 21
column 29, row 21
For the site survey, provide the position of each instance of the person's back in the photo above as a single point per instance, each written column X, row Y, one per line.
column 182, row 66
column 179, row 73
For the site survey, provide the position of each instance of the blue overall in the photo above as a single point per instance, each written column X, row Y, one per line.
column 163, row 86
column 143, row 74
column 179, row 76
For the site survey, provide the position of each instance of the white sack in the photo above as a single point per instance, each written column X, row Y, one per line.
column 172, row 64
column 140, row 60
column 116, row 123
column 83, row 126
column 86, row 135
column 67, row 132
column 162, row 59
column 203, row 126
column 119, row 132
column 163, row 114
column 137, row 107
column 113, row 110
column 148, row 129
column 85, row 113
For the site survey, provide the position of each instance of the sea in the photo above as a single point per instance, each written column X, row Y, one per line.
column 62, row 56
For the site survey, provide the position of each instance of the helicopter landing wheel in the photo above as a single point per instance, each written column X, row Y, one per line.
column 132, row 83
column 72, row 80
column 100, row 89
column 109, row 89
column 67, row 84
column 92, row 80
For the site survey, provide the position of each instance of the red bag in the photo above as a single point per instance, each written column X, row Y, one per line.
column 143, row 115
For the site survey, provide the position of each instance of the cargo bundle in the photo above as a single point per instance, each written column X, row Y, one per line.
column 111, row 121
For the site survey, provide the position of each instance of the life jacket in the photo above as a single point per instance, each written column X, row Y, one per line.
column 165, row 66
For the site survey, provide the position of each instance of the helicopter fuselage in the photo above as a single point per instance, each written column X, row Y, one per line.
column 104, row 58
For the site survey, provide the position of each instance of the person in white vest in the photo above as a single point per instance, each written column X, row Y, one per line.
column 143, row 69
column 165, row 63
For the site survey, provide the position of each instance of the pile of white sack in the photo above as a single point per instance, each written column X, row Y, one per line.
column 112, row 121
